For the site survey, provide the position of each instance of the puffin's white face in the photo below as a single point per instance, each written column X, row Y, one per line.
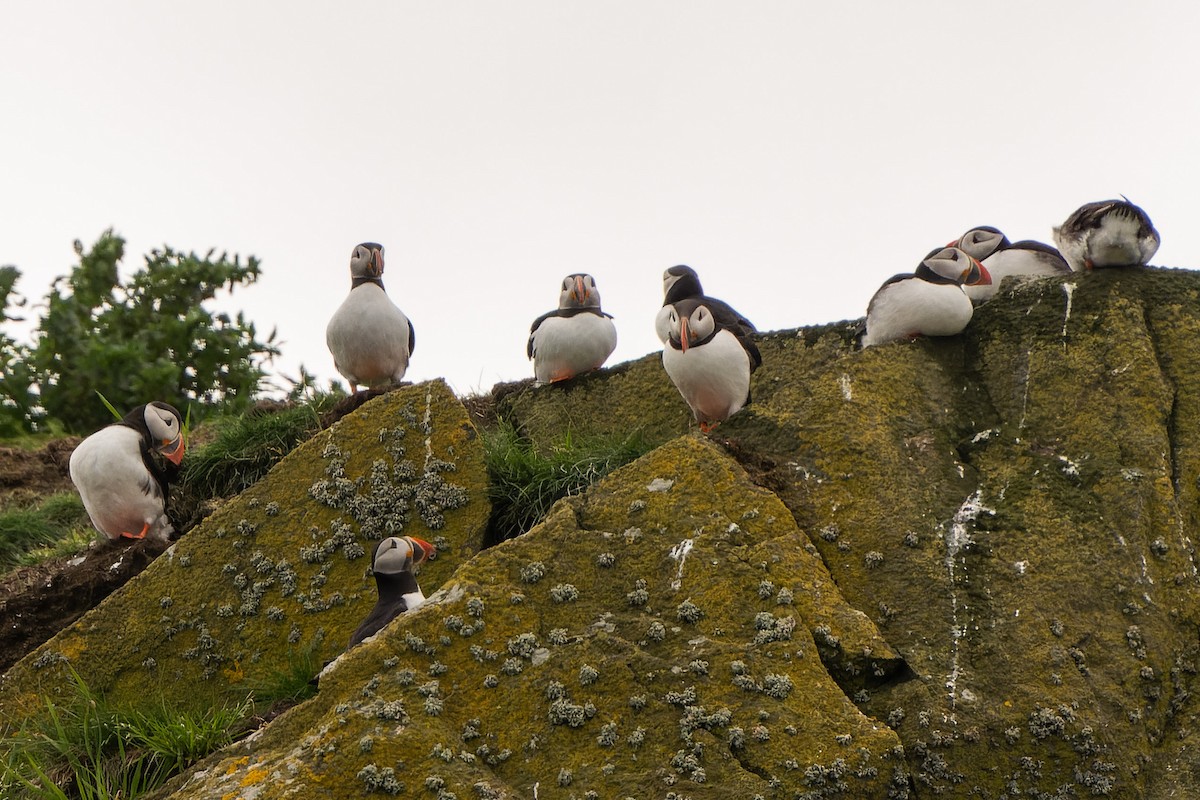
column 367, row 260
column 166, row 429
column 695, row 327
column 579, row 291
column 396, row 554
column 956, row 265
column 979, row 243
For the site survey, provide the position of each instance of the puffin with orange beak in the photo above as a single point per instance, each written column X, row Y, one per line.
column 393, row 563
column 1004, row 259
column 576, row 337
column 709, row 357
column 928, row 302
column 370, row 338
column 123, row 487
column 681, row 282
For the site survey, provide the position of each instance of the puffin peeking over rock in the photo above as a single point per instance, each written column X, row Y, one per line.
column 1108, row 233
column 1005, row 259
column 927, row 302
column 709, row 356
column 123, row 487
column 576, row 337
column 682, row 283
column 392, row 564
column 370, row 338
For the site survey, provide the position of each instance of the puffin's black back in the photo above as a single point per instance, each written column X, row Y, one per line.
column 390, row 604
column 163, row 471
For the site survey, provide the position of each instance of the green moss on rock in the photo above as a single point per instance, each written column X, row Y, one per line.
column 282, row 568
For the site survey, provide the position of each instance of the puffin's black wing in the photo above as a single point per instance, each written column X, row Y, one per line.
column 412, row 338
column 727, row 316
column 752, row 351
column 532, row 328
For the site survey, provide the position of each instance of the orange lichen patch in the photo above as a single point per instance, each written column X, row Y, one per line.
column 255, row 775
column 234, row 674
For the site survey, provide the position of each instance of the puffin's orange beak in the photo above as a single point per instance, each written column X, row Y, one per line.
column 422, row 550
column 377, row 263
column 580, row 293
column 683, row 335
column 173, row 450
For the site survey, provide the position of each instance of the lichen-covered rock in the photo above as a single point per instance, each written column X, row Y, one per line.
column 282, row 568
column 650, row 639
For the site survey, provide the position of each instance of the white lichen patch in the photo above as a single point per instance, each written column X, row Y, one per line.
column 660, row 485
column 680, row 553
column 1069, row 291
column 847, row 390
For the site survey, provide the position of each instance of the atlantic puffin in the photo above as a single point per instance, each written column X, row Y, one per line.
column 1108, row 233
column 1004, row 259
column 574, row 338
column 370, row 338
column 122, row 486
column 929, row 301
column 709, row 358
column 681, row 283
column 392, row 563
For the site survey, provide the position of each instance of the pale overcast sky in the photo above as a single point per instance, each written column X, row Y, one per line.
column 796, row 154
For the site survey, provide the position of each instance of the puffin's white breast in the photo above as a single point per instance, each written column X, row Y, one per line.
column 368, row 337
column 567, row 346
column 914, row 306
column 714, row 378
column 119, row 493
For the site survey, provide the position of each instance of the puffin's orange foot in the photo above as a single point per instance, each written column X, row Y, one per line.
column 142, row 535
column 707, row 427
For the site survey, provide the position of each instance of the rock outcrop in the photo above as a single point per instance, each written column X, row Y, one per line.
column 962, row 568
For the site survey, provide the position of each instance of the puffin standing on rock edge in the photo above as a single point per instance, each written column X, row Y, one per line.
column 576, row 337
column 930, row 301
column 122, row 487
column 392, row 563
column 1004, row 259
column 1108, row 233
column 709, row 356
column 370, row 338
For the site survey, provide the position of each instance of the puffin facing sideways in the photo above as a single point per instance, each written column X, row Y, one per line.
column 370, row 338
column 1108, row 233
column 929, row 301
column 1004, row 259
column 709, row 358
column 392, row 563
column 123, row 489
column 576, row 337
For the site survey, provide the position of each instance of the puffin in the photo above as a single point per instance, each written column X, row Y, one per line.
column 1004, row 259
column 709, row 356
column 370, row 338
column 392, row 563
column 680, row 283
column 929, row 301
column 1108, row 233
column 574, row 338
column 122, row 485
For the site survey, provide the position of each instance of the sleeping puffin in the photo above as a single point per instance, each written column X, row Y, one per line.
column 370, row 338
column 393, row 563
column 1004, row 259
column 680, row 283
column 576, row 337
column 123, row 488
column 1108, row 233
column 709, row 357
column 929, row 301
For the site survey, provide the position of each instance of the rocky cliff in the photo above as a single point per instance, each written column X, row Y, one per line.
column 961, row 568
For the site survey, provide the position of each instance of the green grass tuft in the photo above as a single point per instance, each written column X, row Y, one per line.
column 526, row 482
column 27, row 533
column 85, row 748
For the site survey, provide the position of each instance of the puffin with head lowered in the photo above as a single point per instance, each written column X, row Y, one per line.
column 392, row 564
column 1004, row 259
column 370, row 338
column 122, row 486
column 928, row 302
column 576, row 337
column 709, row 357
column 1108, row 233
column 681, row 283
